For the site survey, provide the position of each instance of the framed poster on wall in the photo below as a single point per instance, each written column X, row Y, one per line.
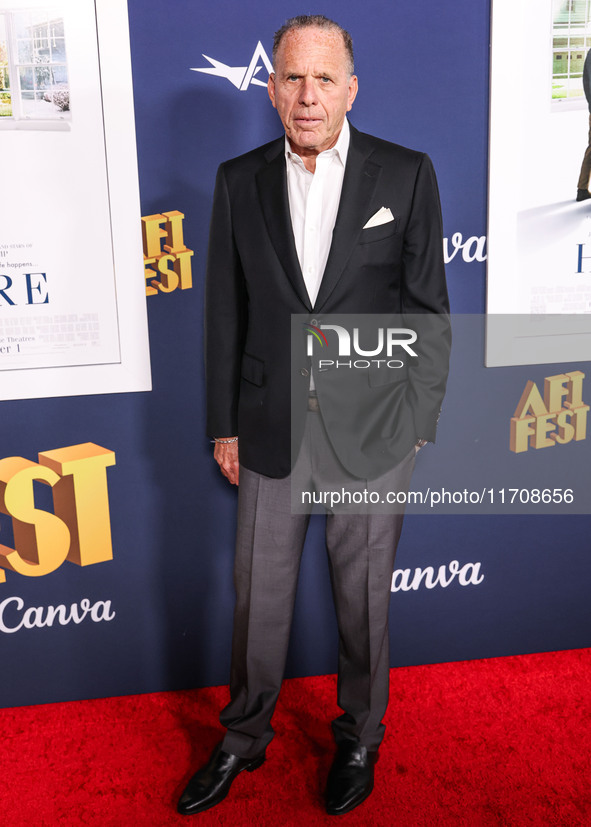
column 72, row 297
column 539, row 236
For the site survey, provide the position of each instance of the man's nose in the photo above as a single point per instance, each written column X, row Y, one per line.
column 308, row 92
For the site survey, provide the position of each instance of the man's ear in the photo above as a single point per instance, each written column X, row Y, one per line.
column 352, row 91
column 271, row 88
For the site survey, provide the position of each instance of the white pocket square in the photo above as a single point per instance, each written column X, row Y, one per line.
column 382, row 216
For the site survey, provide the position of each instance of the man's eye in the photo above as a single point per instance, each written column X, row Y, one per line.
column 292, row 77
column 325, row 80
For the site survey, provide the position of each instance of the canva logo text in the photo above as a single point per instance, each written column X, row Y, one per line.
column 406, row 580
column 14, row 616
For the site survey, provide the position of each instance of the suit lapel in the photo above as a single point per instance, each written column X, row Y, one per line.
column 272, row 190
column 359, row 183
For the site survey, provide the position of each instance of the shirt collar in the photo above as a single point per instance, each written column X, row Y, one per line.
column 341, row 148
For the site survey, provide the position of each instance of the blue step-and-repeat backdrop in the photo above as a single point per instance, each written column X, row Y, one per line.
column 156, row 613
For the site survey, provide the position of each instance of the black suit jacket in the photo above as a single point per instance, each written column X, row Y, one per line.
column 254, row 285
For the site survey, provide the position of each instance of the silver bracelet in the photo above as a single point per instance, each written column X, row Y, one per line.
column 226, row 441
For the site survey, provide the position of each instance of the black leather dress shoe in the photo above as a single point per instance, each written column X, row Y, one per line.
column 350, row 779
column 211, row 784
column 583, row 195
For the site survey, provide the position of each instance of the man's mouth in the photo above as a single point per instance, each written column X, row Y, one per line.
column 307, row 121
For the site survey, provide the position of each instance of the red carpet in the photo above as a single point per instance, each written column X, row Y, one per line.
column 504, row 741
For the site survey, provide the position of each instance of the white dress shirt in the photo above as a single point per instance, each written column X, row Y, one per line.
column 313, row 204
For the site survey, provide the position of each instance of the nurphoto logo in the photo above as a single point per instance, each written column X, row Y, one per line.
column 386, row 341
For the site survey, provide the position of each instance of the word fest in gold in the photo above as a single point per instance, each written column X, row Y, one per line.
column 79, row 530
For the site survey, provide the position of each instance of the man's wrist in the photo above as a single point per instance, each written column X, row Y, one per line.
column 225, row 440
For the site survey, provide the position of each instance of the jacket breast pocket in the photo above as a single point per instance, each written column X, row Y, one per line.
column 253, row 370
column 371, row 234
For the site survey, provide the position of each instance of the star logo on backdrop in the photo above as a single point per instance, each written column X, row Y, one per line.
column 240, row 76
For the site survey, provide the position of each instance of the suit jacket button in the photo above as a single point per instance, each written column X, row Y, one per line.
column 304, row 372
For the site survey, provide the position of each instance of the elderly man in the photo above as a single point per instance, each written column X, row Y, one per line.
column 325, row 220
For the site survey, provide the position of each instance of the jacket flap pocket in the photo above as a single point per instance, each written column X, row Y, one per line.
column 253, row 369
column 386, row 375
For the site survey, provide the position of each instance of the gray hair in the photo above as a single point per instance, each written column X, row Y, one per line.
column 319, row 21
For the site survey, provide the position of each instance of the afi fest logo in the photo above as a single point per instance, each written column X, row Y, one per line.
column 557, row 418
column 240, row 76
column 168, row 268
column 392, row 337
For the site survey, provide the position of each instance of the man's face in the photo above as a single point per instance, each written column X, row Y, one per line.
column 311, row 88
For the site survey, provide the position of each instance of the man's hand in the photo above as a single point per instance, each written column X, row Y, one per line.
column 226, row 456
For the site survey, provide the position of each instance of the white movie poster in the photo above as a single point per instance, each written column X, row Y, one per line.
column 539, row 261
column 72, row 300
